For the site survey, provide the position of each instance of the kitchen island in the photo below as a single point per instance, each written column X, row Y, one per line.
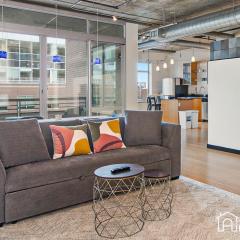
column 170, row 108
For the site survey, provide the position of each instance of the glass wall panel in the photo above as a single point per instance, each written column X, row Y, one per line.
column 106, row 29
column 38, row 19
column 68, row 79
column 106, row 79
column 19, row 76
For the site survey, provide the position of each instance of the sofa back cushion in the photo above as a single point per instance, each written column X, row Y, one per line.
column 47, row 134
column 143, row 128
column 21, row 142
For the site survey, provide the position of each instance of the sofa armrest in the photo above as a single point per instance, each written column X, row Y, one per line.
column 171, row 138
column 2, row 192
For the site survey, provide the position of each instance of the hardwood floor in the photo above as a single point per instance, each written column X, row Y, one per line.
column 209, row 166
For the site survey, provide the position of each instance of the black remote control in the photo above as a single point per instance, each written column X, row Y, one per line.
column 120, row 170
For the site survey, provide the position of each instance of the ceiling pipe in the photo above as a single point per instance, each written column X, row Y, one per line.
column 197, row 26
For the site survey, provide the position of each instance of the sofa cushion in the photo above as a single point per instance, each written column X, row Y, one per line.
column 52, row 171
column 143, row 128
column 106, row 135
column 21, row 142
column 44, row 125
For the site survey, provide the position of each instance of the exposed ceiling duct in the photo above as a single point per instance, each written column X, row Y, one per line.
column 201, row 25
column 152, row 44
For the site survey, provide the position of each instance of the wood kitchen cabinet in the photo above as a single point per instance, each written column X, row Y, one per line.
column 194, row 68
column 190, row 72
column 170, row 108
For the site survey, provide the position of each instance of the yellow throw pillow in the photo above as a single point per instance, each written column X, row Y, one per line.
column 70, row 141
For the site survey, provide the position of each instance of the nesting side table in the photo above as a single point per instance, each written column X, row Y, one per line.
column 158, row 195
column 118, row 215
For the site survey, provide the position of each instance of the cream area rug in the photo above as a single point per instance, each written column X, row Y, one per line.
column 195, row 209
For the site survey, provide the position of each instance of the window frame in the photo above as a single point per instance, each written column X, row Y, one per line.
column 149, row 72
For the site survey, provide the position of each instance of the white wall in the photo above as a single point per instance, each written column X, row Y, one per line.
column 131, row 66
column 224, row 103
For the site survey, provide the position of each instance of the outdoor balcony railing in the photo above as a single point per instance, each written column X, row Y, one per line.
column 66, row 107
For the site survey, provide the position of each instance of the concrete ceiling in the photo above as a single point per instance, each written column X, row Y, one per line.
column 147, row 13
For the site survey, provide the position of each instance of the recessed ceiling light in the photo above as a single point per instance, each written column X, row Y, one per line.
column 114, row 18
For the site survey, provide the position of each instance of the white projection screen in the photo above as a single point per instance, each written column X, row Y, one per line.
column 224, row 103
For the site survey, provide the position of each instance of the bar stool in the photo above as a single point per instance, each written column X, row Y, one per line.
column 152, row 102
column 158, row 103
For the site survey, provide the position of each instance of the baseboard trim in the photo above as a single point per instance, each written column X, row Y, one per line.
column 223, row 149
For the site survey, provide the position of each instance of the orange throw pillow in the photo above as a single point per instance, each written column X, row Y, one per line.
column 70, row 141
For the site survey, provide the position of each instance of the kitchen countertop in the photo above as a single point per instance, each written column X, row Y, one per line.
column 204, row 98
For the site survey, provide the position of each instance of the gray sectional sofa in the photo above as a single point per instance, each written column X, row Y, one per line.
column 29, row 188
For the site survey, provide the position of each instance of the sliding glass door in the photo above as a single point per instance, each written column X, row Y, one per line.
column 106, row 79
column 67, row 78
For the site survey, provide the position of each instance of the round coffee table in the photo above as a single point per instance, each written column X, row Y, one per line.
column 118, row 201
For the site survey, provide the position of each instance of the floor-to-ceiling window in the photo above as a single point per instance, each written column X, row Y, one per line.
column 106, row 79
column 29, row 72
column 68, row 78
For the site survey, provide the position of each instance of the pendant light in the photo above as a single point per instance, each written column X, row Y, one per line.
column 165, row 66
column 56, row 58
column 193, row 59
column 114, row 18
column 97, row 60
column 171, row 61
column 3, row 52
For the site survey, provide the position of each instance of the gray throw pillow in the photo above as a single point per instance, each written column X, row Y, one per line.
column 21, row 142
column 143, row 128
